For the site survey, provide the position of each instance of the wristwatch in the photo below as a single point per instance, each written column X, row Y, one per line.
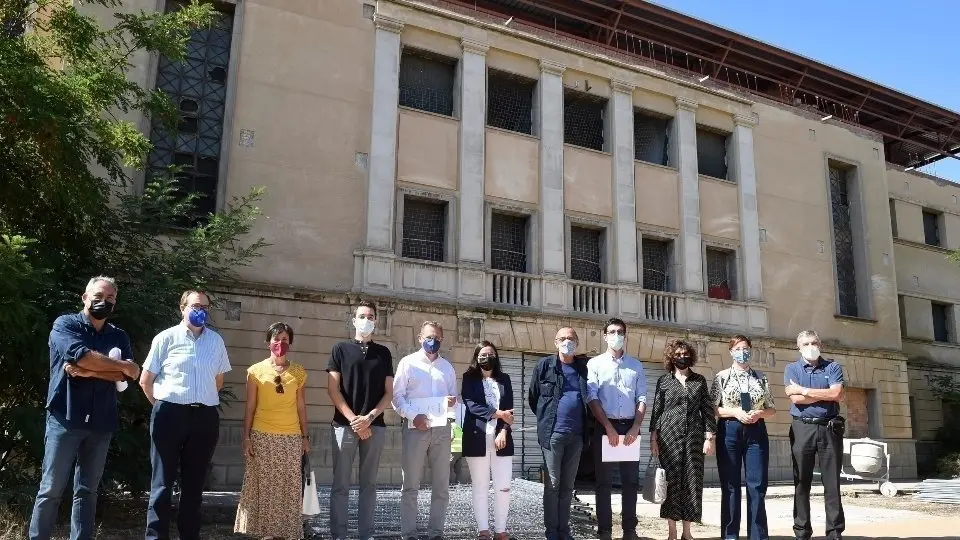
column 805, row 392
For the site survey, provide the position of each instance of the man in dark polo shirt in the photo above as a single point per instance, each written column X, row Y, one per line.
column 361, row 388
column 81, row 409
column 815, row 388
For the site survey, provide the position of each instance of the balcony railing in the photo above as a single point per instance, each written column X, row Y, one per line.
column 661, row 306
column 591, row 297
column 510, row 288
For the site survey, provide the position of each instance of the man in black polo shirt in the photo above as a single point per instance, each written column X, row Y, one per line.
column 81, row 409
column 360, row 385
column 815, row 388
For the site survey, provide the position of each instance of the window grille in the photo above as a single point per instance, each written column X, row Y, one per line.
column 651, row 138
column 941, row 330
column 583, row 119
column 585, row 254
column 510, row 101
column 656, row 256
column 931, row 228
column 508, row 242
column 424, row 229
column 427, row 81
column 721, row 276
column 843, row 242
column 197, row 85
column 711, row 153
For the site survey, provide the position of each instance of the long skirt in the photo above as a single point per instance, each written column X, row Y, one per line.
column 271, row 501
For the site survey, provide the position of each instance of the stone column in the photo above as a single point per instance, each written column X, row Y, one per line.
column 473, row 106
column 624, row 190
column 382, row 175
column 550, row 124
column 745, row 174
column 691, row 254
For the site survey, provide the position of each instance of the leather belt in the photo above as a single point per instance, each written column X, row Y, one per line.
column 817, row 421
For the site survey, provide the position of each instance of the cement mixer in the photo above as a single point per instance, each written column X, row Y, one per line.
column 868, row 459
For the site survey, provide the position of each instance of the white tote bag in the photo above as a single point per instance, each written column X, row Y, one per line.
column 311, row 501
column 655, row 483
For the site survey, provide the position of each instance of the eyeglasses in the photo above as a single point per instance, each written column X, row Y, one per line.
column 199, row 306
column 279, row 382
column 616, row 333
column 684, row 357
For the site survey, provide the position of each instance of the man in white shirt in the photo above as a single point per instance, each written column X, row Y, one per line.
column 617, row 393
column 421, row 377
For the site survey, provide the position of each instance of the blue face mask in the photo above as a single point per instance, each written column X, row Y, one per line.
column 197, row 317
column 741, row 357
column 431, row 345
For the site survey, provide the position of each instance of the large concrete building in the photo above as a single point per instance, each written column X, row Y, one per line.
column 507, row 167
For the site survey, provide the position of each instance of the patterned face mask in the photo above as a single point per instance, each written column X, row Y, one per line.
column 741, row 356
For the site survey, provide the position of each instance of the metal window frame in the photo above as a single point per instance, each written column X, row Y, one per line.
column 727, row 136
column 734, row 265
column 429, row 54
column 661, row 236
column 669, row 138
column 533, row 99
column 858, row 225
column 450, row 226
column 606, row 247
column 532, row 232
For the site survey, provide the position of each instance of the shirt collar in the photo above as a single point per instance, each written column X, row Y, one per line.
column 186, row 330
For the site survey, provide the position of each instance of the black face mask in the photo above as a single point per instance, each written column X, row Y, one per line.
column 681, row 362
column 486, row 367
column 100, row 309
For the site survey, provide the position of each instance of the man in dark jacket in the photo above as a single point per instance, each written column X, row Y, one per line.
column 558, row 396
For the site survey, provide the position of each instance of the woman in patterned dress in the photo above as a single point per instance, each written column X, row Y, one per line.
column 274, row 442
column 743, row 400
column 682, row 432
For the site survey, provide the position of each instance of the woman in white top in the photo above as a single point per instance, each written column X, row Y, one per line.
column 487, row 441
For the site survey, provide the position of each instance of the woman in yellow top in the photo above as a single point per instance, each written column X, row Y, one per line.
column 274, row 441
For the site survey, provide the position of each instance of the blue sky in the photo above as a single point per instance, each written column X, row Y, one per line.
column 909, row 46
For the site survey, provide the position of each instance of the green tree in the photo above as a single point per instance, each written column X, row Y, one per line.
column 67, row 212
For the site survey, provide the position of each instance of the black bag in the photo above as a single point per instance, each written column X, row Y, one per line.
column 837, row 425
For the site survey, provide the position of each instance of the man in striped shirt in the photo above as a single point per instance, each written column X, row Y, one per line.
column 182, row 377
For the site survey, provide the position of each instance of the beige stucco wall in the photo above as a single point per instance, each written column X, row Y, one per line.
column 658, row 200
column 587, row 181
column 428, row 149
column 511, row 166
column 719, row 208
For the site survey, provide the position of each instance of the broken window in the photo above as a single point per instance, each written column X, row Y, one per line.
column 424, row 229
column 843, row 241
column 931, row 228
column 656, row 256
column 651, row 138
column 721, row 274
column 510, row 101
column 585, row 254
column 941, row 322
column 711, row 153
column 583, row 119
column 197, row 85
column 427, row 81
column 508, row 242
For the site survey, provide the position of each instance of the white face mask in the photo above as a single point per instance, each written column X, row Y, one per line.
column 810, row 352
column 364, row 326
column 615, row 341
column 567, row 347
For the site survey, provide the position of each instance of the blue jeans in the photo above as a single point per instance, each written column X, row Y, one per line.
column 743, row 445
column 82, row 452
column 562, row 460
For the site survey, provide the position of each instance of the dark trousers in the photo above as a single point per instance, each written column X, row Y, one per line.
column 743, row 446
column 562, row 460
column 183, row 438
column 810, row 443
column 629, row 482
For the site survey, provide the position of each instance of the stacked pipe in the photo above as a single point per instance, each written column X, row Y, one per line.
column 940, row 491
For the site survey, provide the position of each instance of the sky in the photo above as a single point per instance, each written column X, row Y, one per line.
column 906, row 45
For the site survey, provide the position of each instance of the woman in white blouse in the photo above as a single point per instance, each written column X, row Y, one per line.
column 743, row 400
column 487, row 441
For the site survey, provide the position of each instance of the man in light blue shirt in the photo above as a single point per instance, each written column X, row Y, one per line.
column 182, row 377
column 617, row 394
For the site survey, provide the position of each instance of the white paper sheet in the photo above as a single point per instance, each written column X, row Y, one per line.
column 435, row 409
column 619, row 452
column 116, row 354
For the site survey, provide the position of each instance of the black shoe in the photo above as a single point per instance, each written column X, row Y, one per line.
column 605, row 536
column 631, row 535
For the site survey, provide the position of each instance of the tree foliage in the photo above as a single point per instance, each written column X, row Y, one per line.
column 68, row 211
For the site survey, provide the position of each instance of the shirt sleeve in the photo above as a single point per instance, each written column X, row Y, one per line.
column 452, row 381
column 336, row 358
column 640, row 385
column 301, row 377
column 125, row 349
column 224, row 360
column 400, row 402
column 835, row 374
column 593, row 381
column 154, row 360
column 388, row 360
column 715, row 390
column 788, row 374
column 66, row 338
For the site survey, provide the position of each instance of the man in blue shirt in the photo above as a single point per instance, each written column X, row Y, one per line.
column 617, row 390
column 558, row 397
column 815, row 388
column 182, row 377
column 81, row 409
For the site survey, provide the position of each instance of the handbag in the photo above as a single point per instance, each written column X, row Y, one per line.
column 311, row 501
column 655, row 482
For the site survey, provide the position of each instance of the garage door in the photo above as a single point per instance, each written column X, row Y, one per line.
column 526, row 449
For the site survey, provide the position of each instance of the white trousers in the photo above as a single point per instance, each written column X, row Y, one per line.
column 480, row 473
